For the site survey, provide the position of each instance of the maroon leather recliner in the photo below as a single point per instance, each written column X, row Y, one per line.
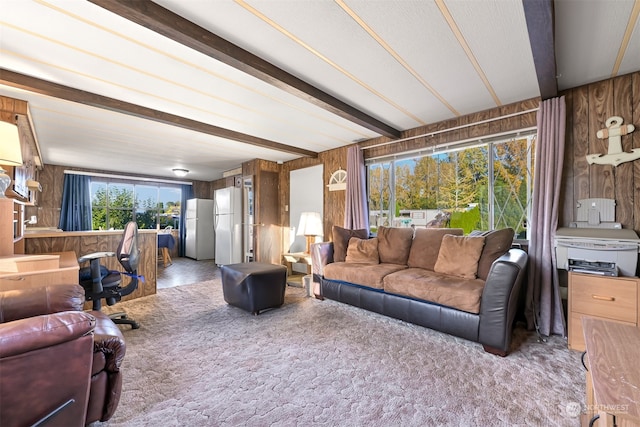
column 59, row 365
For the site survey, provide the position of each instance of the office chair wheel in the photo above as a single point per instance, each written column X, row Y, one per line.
column 122, row 319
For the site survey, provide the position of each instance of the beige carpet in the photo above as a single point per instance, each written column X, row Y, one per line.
column 196, row 361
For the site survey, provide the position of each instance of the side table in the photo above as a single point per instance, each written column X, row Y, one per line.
column 297, row 257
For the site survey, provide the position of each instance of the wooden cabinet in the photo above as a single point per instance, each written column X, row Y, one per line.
column 610, row 298
column 33, row 271
column 11, row 226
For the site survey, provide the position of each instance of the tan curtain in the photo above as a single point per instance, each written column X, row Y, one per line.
column 544, row 303
column 356, row 215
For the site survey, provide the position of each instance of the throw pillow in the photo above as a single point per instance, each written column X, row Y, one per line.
column 426, row 246
column 341, row 238
column 363, row 251
column 394, row 244
column 496, row 244
column 459, row 256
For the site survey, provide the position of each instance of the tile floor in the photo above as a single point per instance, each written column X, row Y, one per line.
column 185, row 271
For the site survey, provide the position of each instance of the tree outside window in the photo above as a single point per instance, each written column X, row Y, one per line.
column 151, row 206
column 483, row 187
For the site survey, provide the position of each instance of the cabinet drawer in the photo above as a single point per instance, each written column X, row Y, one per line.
column 609, row 298
column 38, row 279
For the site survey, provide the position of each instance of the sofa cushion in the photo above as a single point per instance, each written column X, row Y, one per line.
column 366, row 275
column 418, row 283
column 341, row 238
column 496, row 244
column 364, row 251
column 426, row 246
column 394, row 244
column 459, row 256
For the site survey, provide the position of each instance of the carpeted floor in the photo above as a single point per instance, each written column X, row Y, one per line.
column 197, row 361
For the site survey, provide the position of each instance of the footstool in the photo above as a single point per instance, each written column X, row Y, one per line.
column 254, row 286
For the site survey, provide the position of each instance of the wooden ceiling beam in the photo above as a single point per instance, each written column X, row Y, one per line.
column 540, row 25
column 163, row 21
column 33, row 84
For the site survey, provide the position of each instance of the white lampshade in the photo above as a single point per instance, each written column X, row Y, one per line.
column 310, row 224
column 10, row 151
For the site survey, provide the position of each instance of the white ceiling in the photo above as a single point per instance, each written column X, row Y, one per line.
column 402, row 63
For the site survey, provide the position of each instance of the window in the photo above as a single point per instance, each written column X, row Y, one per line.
column 113, row 204
column 479, row 186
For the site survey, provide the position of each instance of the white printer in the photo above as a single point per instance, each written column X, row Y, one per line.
column 595, row 244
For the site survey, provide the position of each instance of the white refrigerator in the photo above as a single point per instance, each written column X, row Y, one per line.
column 228, row 225
column 199, row 229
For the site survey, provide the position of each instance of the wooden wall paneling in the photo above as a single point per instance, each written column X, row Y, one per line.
column 268, row 233
column 334, row 201
column 623, row 173
column 529, row 119
column 566, row 196
column 600, row 108
column 202, row 190
column 13, row 106
column 635, row 105
column 580, row 147
column 481, row 129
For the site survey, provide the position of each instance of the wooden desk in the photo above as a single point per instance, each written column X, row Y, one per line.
column 613, row 377
column 32, row 271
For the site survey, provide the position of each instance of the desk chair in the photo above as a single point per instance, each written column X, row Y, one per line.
column 99, row 282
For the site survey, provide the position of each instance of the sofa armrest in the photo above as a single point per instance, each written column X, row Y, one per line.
column 109, row 350
column 321, row 255
column 33, row 333
column 108, row 340
column 23, row 303
column 500, row 300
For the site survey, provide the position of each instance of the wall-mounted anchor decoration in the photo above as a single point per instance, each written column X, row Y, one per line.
column 615, row 155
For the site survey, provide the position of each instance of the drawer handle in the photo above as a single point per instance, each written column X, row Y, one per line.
column 603, row 298
column 15, row 279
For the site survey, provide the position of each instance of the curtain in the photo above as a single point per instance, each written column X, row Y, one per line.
column 356, row 214
column 187, row 193
column 75, row 213
column 543, row 303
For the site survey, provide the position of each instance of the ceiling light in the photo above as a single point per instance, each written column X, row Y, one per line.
column 180, row 172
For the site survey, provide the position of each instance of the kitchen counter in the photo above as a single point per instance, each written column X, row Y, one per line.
column 45, row 241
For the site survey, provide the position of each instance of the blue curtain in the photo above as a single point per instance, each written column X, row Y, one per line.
column 187, row 193
column 75, row 214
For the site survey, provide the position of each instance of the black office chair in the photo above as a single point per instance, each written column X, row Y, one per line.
column 100, row 282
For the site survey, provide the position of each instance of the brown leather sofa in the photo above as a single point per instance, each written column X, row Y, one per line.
column 466, row 286
column 57, row 360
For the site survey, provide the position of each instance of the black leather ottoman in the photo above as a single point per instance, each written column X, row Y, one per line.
column 254, row 286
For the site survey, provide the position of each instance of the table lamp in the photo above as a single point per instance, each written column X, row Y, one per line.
column 310, row 226
column 10, row 153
